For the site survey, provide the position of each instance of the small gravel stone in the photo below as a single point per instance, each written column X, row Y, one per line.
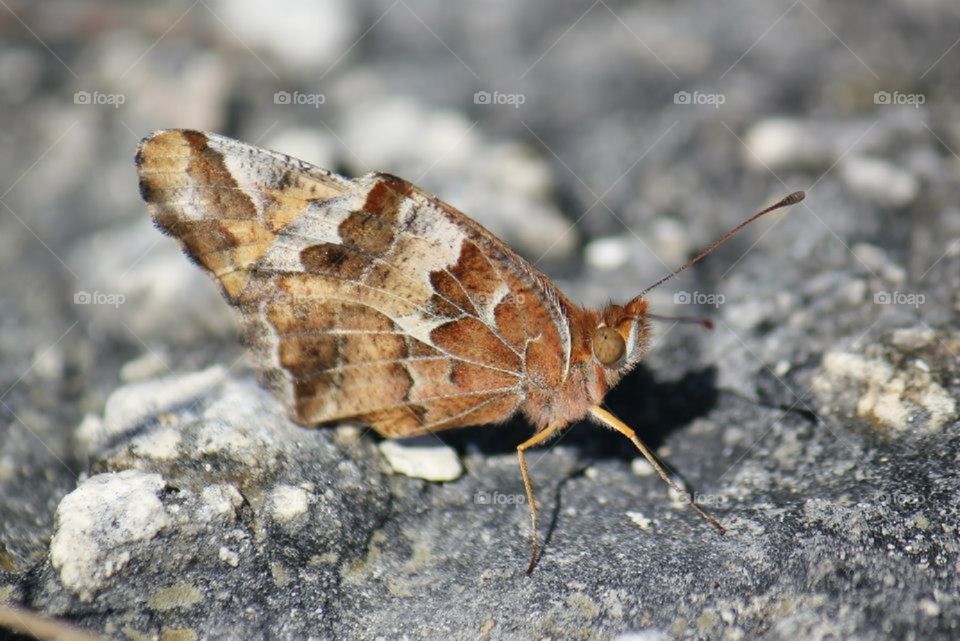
column 422, row 458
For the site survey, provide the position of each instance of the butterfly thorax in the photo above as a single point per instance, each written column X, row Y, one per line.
column 605, row 345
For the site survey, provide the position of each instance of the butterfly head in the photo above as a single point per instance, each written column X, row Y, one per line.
column 620, row 338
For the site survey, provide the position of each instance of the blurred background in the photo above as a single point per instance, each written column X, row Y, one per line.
column 605, row 141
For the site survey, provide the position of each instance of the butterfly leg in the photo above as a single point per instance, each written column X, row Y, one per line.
column 536, row 439
column 603, row 416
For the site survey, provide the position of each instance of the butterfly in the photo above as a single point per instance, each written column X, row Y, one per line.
column 373, row 300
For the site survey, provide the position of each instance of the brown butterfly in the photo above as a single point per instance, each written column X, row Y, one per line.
column 371, row 299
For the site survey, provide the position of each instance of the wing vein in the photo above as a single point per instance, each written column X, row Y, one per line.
column 469, row 410
column 506, row 391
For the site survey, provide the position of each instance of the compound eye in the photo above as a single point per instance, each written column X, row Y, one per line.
column 608, row 346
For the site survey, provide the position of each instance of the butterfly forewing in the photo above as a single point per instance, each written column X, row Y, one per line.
column 366, row 298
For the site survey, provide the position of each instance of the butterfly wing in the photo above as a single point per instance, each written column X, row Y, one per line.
column 364, row 299
column 223, row 200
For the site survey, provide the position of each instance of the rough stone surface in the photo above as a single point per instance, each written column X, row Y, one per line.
column 905, row 382
column 150, row 489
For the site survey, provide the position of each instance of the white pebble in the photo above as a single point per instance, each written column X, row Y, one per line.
column 929, row 607
column 880, row 181
column 422, row 459
column 131, row 405
column 229, row 557
column 641, row 467
column 303, row 33
column 288, row 502
column 97, row 524
column 161, row 444
column 607, row 253
column 782, row 142
column 642, row 521
column 219, row 503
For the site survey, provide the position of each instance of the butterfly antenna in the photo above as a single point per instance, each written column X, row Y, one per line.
column 792, row 199
column 705, row 323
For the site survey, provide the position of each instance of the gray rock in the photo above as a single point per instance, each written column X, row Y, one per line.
column 221, row 503
column 149, row 488
column 201, row 490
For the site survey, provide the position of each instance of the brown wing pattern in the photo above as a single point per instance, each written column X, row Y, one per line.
column 366, row 298
column 223, row 200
